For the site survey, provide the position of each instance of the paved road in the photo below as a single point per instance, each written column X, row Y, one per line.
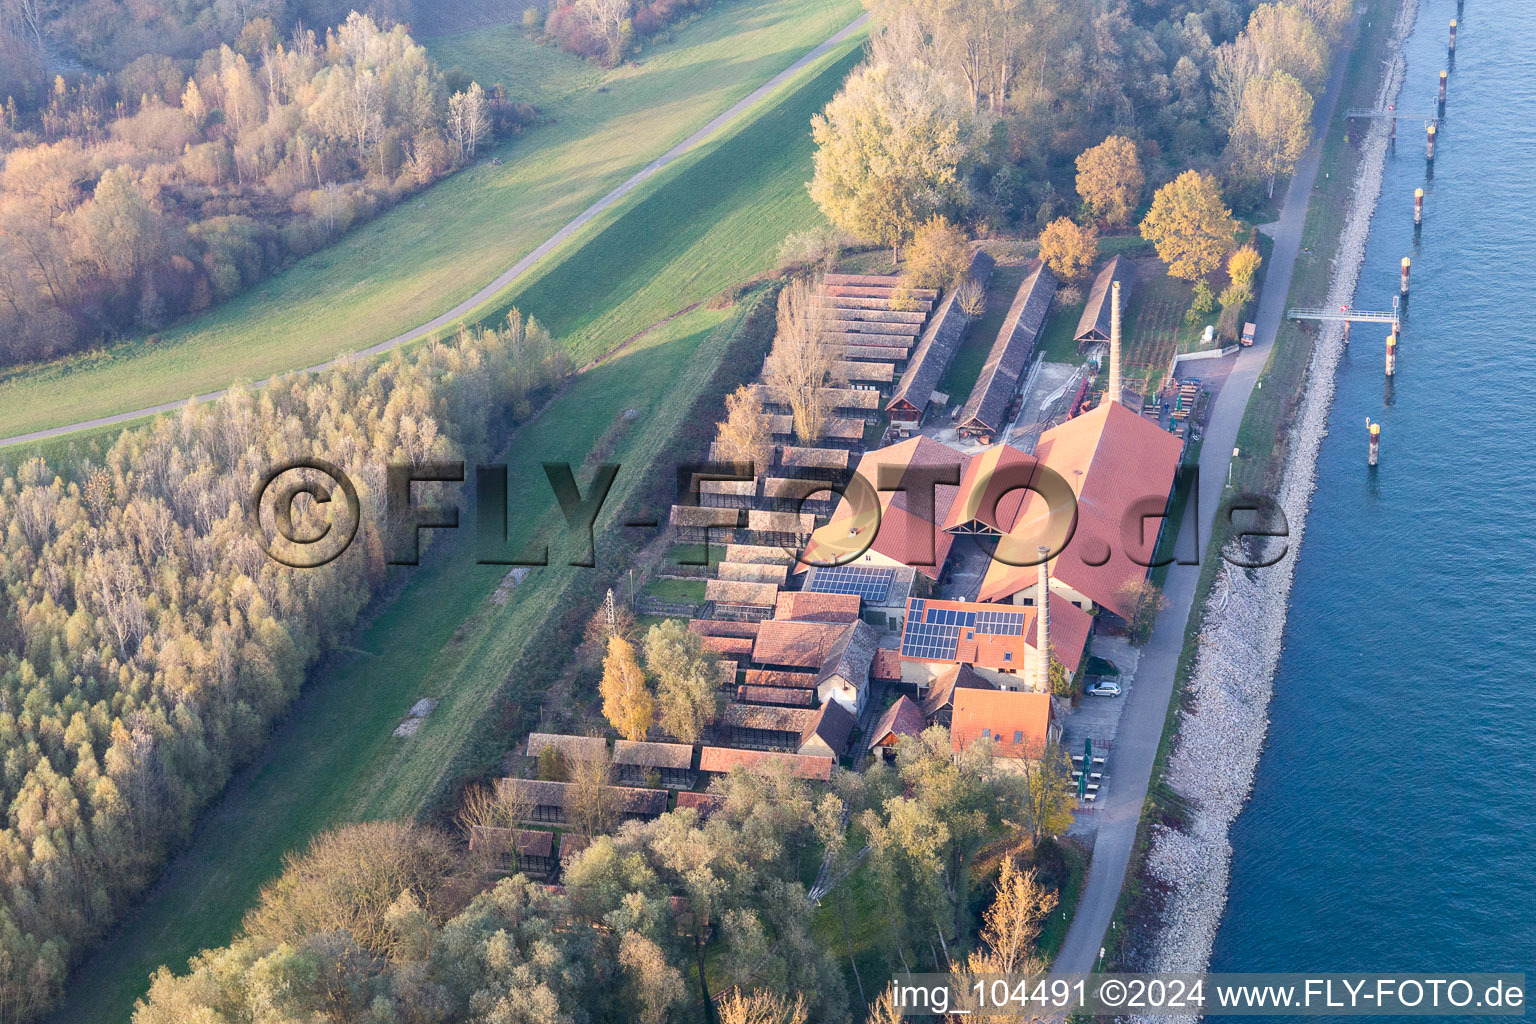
column 1141, row 725
column 516, row 269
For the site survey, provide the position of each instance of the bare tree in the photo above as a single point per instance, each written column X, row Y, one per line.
column 801, row 366
column 592, row 808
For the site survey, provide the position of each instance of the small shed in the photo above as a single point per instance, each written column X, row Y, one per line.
column 1093, row 325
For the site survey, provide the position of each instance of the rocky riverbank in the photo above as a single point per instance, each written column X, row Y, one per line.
column 1217, row 748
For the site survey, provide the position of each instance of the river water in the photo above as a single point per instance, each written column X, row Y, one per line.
column 1392, row 825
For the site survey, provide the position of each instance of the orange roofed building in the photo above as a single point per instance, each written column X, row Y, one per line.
column 906, row 534
column 998, row 641
column 1121, row 467
column 1019, row 723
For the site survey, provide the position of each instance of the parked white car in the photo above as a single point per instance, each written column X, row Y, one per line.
column 1105, row 688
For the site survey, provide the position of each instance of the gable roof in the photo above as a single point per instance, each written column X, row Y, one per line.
column 936, row 348
column 802, row 645
column 1093, row 325
column 1010, row 353
column 784, row 695
column 805, row 766
column 905, row 532
column 627, row 799
column 734, row 645
column 991, row 488
column 705, row 803
column 526, row 842
column 805, row 606
column 572, row 748
column 653, row 755
column 832, row 725
column 1017, row 721
column 942, row 693
column 902, row 718
column 1122, row 466
column 768, row 718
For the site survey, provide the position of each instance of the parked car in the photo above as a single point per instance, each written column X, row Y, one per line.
column 1105, row 688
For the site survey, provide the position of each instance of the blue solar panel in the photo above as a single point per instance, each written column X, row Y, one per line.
column 870, row 584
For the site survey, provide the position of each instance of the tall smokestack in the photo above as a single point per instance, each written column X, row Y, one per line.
column 1112, row 394
column 1043, row 623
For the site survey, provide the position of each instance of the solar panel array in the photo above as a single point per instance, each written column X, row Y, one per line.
column 871, row 584
column 934, row 633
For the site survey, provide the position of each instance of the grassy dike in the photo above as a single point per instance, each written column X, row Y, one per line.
column 1262, row 439
column 439, row 247
column 332, row 758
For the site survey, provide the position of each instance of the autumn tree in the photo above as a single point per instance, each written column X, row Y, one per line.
column 347, row 880
column 801, row 367
column 1110, row 179
column 469, row 119
column 1273, row 129
column 894, row 148
column 1144, row 599
column 591, row 804
column 1190, row 225
column 743, row 434
column 1048, row 794
column 1069, row 248
column 687, row 679
column 937, row 256
column 627, row 701
column 653, row 984
column 1010, row 927
column 762, row 1008
column 1243, row 265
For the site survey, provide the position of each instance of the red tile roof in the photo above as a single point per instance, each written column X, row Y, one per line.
column 741, row 645
column 942, row 693
column 805, row 645
column 722, row 759
column 1018, row 721
column 780, row 678
column 1121, row 467
column 902, row 718
column 803, row 606
column 705, row 803
column 787, row 696
column 887, row 665
column 906, row 532
column 722, row 627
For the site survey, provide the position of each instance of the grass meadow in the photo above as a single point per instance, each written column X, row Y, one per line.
column 439, row 248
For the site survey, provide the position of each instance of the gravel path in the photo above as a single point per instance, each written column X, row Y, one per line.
column 1219, row 741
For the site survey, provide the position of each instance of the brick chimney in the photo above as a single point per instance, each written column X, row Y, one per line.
column 1112, row 393
column 1043, row 623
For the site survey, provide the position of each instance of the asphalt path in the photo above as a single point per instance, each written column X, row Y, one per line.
column 1141, row 723
column 714, row 127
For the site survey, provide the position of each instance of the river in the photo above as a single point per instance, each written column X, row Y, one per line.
column 1392, row 824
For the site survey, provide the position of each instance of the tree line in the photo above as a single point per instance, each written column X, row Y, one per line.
column 147, row 641
column 38, row 34
column 134, row 199
column 656, row 922
column 977, row 110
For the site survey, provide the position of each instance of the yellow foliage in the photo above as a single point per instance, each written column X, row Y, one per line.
column 1068, row 248
column 1190, row 225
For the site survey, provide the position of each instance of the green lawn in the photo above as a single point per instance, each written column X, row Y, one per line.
column 979, row 336
column 441, row 637
column 676, row 591
column 437, row 249
column 1056, row 337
